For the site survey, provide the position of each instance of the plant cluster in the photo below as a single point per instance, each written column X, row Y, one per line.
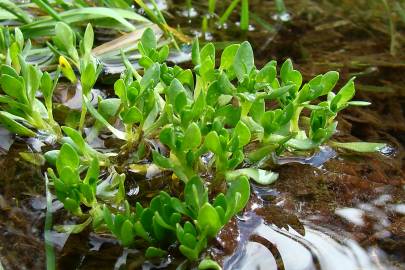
column 213, row 126
column 20, row 82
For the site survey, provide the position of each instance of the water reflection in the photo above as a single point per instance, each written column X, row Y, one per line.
column 269, row 247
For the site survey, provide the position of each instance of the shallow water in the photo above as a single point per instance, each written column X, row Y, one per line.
column 329, row 210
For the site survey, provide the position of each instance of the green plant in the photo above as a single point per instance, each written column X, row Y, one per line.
column 73, row 191
column 88, row 67
column 192, row 221
column 244, row 14
column 140, row 104
column 210, row 125
column 214, row 127
column 22, row 111
column 83, row 149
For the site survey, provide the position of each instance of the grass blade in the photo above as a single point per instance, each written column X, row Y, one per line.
column 50, row 253
column 48, row 9
column 119, row 134
column 15, row 10
column 244, row 18
column 45, row 26
column 228, row 12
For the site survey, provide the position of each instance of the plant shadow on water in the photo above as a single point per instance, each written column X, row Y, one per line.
column 328, row 211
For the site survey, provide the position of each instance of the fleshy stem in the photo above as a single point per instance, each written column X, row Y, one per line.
column 82, row 115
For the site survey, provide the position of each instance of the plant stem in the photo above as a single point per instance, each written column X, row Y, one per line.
column 82, row 115
column 280, row 6
column 244, row 18
column 211, row 6
column 295, row 120
column 189, row 6
column 228, row 12
column 204, row 25
column 391, row 24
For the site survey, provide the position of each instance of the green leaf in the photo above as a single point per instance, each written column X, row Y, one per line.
column 33, row 80
column 195, row 194
column 88, row 39
column 46, row 85
column 109, row 107
column 93, row 172
column 6, row 69
column 239, row 185
column 108, row 218
column 189, row 240
column 285, row 70
column 132, row 116
column 289, row 75
column 126, row 233
column 76, row 138
column 74, row 228
column 68, row 157
column 161, row 161
column 301, row 144
column 119, row 134
column 151, row 76
column 153, row 252
column 173, row 91
column 230, row 113
column 212, row 142
column 180, row 102
column 88, row 78
column 244, row 60
column 51, row 156
column 243, row 133
column 328, row 81
column 8, row 121
column 186, row 77
column 120, row 90
column 192, row 137
column 195, row 52
column 87, row 193
column 34, row 158
column 65, row 38
column 148, row 40
column 164, row 53
column 359, row 103
column 267, row 74
column 345, row 94
column 362, row 147
column 71, row 205
column 208, row 219
column 191, row 254
column 69, row 177
column 208, row 52
column 13, row 87
column 260, row 176
column 276, row 93
column 207, row 264
column 167, row 137
column 228, row 55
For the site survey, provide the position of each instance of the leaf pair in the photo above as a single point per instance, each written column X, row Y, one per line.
column 70, row 189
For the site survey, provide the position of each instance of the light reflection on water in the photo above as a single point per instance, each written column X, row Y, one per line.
column 314, row 250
